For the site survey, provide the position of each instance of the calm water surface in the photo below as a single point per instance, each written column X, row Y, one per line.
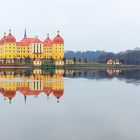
column 69, row 105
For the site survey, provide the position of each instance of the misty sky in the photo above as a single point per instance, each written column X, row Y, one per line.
column 112, row 25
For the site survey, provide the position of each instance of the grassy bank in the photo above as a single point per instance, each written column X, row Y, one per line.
column 78, row 66
column 103, row 66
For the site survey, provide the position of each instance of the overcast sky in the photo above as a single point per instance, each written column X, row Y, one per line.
column 112, row 25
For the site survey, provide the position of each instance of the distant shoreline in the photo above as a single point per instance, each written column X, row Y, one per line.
column 78, row 66
column 101, row 66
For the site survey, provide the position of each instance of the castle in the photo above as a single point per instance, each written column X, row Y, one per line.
column 31, row 50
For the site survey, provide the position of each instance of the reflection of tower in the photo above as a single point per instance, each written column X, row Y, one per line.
column 36, row 85
column 47, row 85
column 2, row 92
column 58, row 84
column 58, row 94
column 10, row 95
column 109, row 72
column 9, row 88
column 48, row 91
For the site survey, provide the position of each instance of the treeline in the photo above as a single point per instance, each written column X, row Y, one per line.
column 131, row 57
column 89, row 55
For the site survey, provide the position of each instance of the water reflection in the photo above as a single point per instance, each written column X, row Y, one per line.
column 34, row 82
column 94, row 104
column 31, row 82
column 127, row 75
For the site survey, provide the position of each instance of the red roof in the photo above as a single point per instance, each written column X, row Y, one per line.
column 2, row 40
column 48, row 42
column 27, row 41
column 58, row 40
column 9, row 38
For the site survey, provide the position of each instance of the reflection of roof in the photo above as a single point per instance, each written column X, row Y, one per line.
column 10, row 94
column 27, row 92
column 37, row 74
column 2, row 91
column 58, row 93
column 24, row 90
column 37, row 60
column 36, row 93
column 48, row 90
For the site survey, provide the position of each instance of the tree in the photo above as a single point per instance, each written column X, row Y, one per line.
column 74, row 60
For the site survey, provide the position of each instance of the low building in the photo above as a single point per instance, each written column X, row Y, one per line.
column 59, row 62
column 69, row 61
column 110, row 62
column 37, row 62
column 114, row 62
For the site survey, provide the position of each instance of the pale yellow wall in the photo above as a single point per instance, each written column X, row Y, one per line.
column 48, row 52
column 32, row 49
column 58, row 51
column 22, row 51
column 9, row 50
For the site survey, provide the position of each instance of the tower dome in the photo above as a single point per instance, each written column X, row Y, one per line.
column 10, row 38
column 3, row 39
column 47, row 41
column 58, row 39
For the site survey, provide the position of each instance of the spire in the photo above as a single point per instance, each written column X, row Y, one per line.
column 58, row 33
column 58, row 101
column 10, row 101
column 25, row 34
column 25, row 98
column 9, row 31
column 48, row 36
column 4, row 34
column 4, row 97
column 48, row 96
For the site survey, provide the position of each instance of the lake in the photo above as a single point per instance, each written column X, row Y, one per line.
column 38, row 104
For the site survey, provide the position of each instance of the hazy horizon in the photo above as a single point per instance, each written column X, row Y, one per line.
column 84, row 24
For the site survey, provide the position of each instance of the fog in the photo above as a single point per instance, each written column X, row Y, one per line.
column 111, row 25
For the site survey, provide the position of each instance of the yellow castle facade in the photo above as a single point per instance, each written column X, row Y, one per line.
column 12, row 52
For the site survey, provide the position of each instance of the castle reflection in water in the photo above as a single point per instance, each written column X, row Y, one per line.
column 34, row 82
column 31, row 82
